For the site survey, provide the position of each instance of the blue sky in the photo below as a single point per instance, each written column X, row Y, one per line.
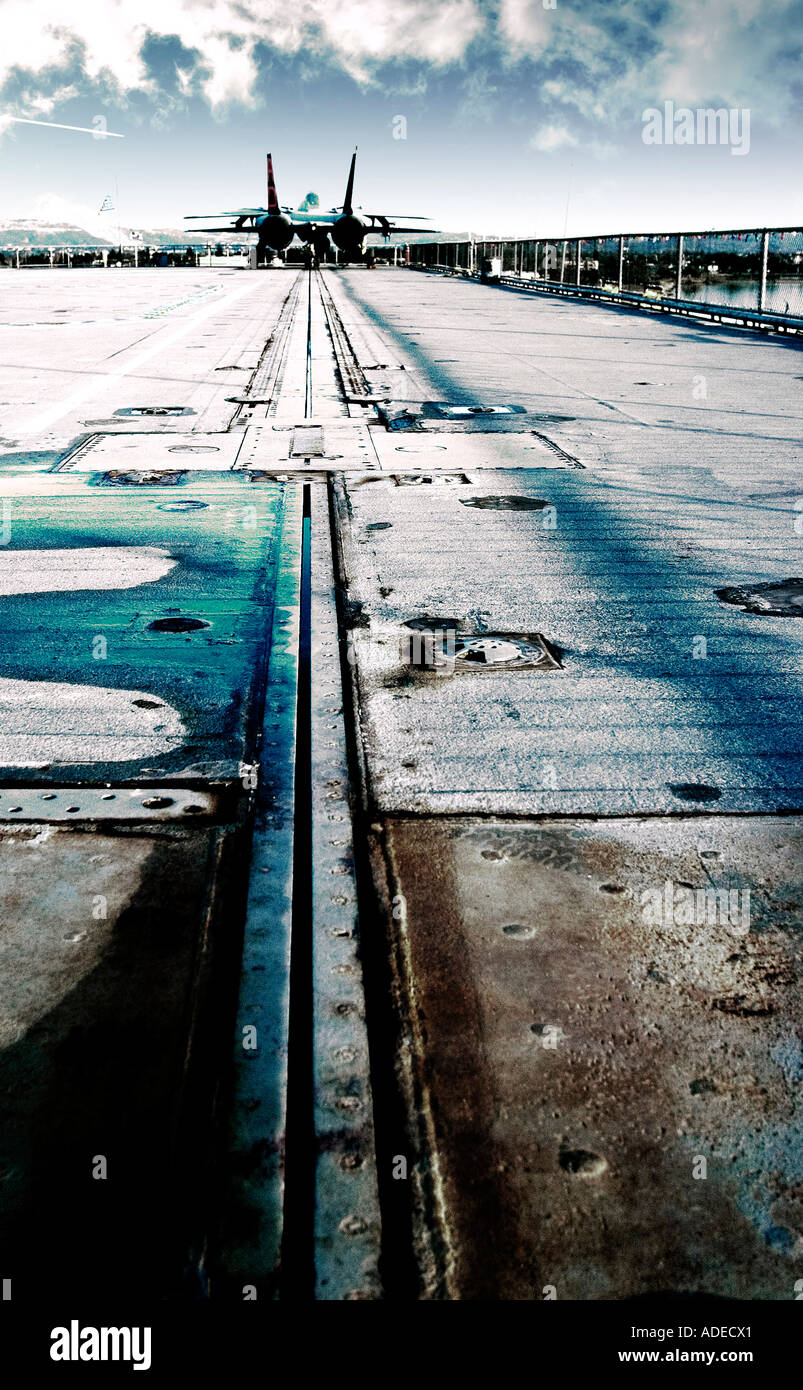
column 520, row 116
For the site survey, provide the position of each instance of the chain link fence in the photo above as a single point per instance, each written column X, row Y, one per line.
column 759, row 270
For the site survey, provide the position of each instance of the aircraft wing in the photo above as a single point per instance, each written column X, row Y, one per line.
column 392, row 216
column 385, row 225
column 231, row 230
column 239, row 212
column 241, row 219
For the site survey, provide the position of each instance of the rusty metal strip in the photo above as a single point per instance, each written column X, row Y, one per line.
column 431, row 1252
column 253, row 1218
column 109, row 803
column 347, row 1217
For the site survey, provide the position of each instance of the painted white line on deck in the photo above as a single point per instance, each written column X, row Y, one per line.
column 103, row 380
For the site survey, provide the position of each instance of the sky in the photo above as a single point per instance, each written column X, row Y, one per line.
column 521, row 117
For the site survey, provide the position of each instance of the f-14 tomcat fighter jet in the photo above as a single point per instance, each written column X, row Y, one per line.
column 276, row 226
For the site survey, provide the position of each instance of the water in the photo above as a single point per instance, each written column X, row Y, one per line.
column 784, row 295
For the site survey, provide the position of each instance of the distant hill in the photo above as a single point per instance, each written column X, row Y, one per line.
column 31, row 232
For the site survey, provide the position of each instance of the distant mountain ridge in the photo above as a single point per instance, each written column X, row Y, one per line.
column 29, row 233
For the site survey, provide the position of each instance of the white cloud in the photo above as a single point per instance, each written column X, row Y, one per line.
column 362, row 32
column 552, row 137
column 109, row 34
column 604, row 61
column 622, row 58
column 232, row 71
column 526, row 26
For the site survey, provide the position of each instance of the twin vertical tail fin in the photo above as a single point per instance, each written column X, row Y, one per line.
column 347, row 204
column 273, row 201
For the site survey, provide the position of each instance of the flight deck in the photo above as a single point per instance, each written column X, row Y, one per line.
column 400, row 720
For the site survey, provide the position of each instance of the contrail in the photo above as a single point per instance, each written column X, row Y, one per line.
column 87, row 130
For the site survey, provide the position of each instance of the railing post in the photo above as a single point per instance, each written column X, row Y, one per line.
column 577, row 272
column 679, row 276
column 562, row 262
column 621, row 263
column 762, row 288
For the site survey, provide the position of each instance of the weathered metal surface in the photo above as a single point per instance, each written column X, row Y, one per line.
column 30, row 804
column 608, row 1091
column 331, row 444
column 65, row 570
column 459, row 341
column 151, row 410
column 525, row 651
column 266, row 383
column 661, row 684
column 308, row 442
column 347, row 1218
column 116, row 973
column 89, row 690
column 399, row 452
column 564, row 1060
column 127, row 349
column 145, row 452
column 436, row 478
column 436, row 418
column 352, row 378
column 440, row 646
column 246, row 1260
column 783, row 599
column 506, row 502
column 445, row 411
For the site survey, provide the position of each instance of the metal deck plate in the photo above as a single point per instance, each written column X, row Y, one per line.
column 145, row 452
column 111, row 981
column 579, row 1048
column 399, row 452
column 662, row 685
column 338, row 444
column 29, row 804
column 89, row 690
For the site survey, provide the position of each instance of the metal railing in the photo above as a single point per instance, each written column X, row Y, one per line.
column 749, row 274
column 31, row 257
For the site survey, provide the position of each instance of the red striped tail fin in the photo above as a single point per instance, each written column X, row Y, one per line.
column 273, row 201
